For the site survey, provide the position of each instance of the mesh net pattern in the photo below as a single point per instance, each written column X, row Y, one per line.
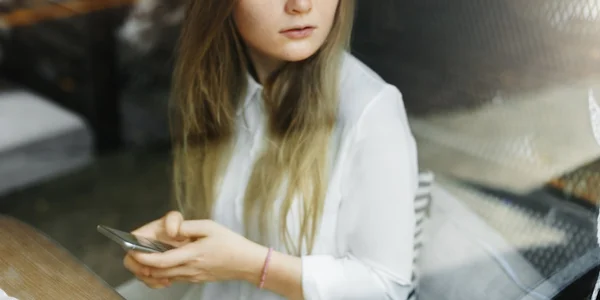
column 547, row 232
column 497, row 93
column 452, row 55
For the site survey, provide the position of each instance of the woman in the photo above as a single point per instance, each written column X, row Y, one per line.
column 295, row 168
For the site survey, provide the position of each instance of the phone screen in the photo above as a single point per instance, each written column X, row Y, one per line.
column 136, row 240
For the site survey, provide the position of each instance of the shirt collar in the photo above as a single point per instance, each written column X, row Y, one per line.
column 252, row 89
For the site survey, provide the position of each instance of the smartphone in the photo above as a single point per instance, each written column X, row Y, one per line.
column 132, row 242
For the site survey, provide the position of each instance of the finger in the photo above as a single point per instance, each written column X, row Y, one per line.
column 189, row 279
column 143, row 273
column 197, row 228
column 155, row 283
column 135, row 267
column 179, row 271
column 148, row 230
column 172, row 223
column 169, row 259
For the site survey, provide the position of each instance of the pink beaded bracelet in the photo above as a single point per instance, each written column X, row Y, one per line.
column 263, row 276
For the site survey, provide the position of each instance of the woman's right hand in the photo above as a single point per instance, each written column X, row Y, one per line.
column 165, row 230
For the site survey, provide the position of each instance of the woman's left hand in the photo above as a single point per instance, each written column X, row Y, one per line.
column 216, row 254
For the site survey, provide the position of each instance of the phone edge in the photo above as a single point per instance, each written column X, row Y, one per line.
column 105, row 230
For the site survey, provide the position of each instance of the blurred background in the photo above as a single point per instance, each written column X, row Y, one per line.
column 501, row 95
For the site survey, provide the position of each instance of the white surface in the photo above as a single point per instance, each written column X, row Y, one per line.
column 136, row 290
column 26, row 117
column 38, row 140
column 465, row 259
column 516, row 143
column 4, row 296
column 595, row 121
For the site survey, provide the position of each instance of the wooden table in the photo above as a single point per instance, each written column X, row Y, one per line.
column 34, row 267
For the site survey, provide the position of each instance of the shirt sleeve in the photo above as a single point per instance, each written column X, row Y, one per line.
column 376, row 220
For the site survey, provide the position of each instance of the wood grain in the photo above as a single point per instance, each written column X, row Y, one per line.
column 33, row 267
column 53, row 11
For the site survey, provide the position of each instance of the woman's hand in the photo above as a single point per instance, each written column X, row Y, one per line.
column 215, row 254
column 166, row 230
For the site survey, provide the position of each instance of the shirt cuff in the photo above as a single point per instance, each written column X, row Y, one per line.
column 325, row 277
column 320, row 274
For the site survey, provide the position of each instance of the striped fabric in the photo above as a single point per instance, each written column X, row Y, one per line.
column 422, row 204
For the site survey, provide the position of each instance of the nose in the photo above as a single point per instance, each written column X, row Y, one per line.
column 297, row 7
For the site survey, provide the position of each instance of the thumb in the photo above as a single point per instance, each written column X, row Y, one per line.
column 172, row 222
column 197, row 228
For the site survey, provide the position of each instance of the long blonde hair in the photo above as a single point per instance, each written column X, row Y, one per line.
column 301, row 103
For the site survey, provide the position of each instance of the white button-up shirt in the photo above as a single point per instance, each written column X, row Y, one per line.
column 364, row 246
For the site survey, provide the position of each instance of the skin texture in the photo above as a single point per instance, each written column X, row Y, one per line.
column 207, row 251
column 260, row 23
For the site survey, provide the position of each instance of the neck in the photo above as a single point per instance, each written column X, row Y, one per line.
column 263, row 65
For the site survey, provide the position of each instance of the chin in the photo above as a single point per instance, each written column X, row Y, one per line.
column 297, row 53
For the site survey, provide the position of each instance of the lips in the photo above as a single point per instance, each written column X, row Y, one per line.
column 299, row 32
column 298, row 28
